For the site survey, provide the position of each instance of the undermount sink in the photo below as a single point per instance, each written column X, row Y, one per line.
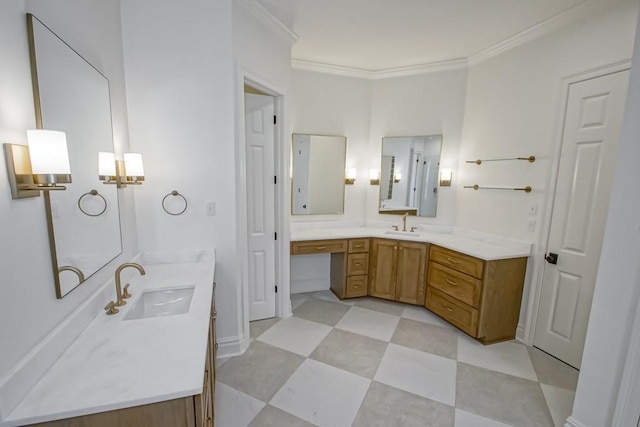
column 162, row 302
column 402, row 233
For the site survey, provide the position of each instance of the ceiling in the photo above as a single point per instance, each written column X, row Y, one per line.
column 379, row 35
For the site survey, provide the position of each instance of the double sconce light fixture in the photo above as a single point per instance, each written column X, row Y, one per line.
column 129, row 171
column 43, row 165
column 40, row 166
column 446, row 175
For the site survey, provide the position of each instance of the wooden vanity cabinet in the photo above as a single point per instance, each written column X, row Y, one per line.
column 482, row 298
column 192, row 411
column 398, row 270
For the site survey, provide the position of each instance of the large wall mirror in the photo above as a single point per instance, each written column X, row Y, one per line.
column 409, row 175
column 318, row 169
column 73, row 97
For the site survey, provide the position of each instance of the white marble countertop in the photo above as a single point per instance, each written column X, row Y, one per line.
column 117, row 363
column 478, row 245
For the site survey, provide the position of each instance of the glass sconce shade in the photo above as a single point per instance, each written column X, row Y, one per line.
column 133, row 165
column 49, row 156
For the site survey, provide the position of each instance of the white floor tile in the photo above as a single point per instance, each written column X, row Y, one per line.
column 507, row 357
column 560, row 402
column 421, row 314
column 417, row 372
column 370, row 323
column 234, row 408
column 297, row 300
column 323, row 395
column 296, row 335
column 466, row 419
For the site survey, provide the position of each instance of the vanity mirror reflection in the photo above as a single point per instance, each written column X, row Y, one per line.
column 318, row 173
column 72, row 96
column 409, row 175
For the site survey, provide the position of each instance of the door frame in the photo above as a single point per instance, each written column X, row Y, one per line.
column 538, row 252
column 281, row 202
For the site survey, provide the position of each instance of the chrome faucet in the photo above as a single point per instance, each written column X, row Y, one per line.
column 119, row 294
column 404, row 221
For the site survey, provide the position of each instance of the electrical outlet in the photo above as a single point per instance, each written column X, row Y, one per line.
column 532, row 225
column 210, row 208
column 533, row 209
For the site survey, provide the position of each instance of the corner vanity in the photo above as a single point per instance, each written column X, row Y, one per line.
column 138, row 367
column 473, row 283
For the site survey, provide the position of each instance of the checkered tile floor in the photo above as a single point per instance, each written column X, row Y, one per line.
column 370, row 362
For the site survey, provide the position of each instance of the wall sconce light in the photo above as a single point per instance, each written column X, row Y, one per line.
column 40, row 166
column 122, row 173
column 374, row 176
column 397, row 177
column 445, row 177
column 350, row 177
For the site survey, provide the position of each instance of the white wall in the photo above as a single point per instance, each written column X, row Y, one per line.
column 426, row 104
column 29, row 308
column 324, row 104
column 617, row 289
column 514, row 108
column 179, row 80
column 184, row 63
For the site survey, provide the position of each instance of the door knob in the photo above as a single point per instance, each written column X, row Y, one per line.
column 551, row 258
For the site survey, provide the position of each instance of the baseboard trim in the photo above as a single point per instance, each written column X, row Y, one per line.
column 313, row 285
column 232, row 346
column 572, row 422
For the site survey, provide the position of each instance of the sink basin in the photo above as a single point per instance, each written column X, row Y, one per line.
column 402, row 233
column 161, row 302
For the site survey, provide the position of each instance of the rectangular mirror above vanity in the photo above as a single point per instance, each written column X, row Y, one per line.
column 72, row 96
column 317, row 179
column 409, row 175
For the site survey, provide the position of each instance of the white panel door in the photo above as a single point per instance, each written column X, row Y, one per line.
column 259, row 144
column 593, row 118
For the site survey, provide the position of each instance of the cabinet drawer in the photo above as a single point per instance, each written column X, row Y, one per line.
column 318, row 247
column 357, row 286
column 458, row 285
column 460, row 262
column 453, row 311
column 358, row 245
column 357, row 264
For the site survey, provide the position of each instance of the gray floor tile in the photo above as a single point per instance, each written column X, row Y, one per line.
column 260, row 371
column 381, row 305
column 386, row 406
column 257, row 327
column 426, row 337
column 352, row 352
column 270, row 416
column 321, row 311
column 552, row 371
column 512, row 400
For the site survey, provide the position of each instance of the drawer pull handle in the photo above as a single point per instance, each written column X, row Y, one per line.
column 361, row 245
column 447, row 307
column 356, row 286
column 455, row 261
column 451, row 282
column 320, row 247
column 358, row 264
column 206, row 378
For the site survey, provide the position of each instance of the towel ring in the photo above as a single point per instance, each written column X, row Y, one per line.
column 92, row 193
column 175, row 194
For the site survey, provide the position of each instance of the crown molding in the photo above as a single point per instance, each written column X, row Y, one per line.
column 264, row 16
column 411, row 70
column 547, row 26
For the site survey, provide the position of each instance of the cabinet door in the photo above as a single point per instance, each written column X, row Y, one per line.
column 412, row 265
column 382, row 277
